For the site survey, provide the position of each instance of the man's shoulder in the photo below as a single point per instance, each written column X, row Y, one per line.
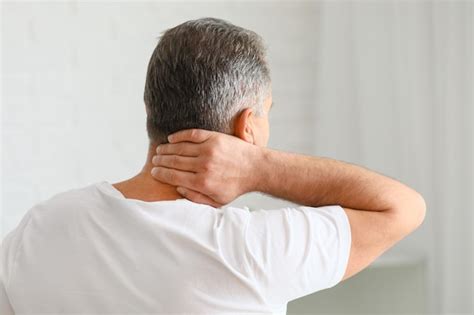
column 66, row 199
column 45, row 221
column 57, row 209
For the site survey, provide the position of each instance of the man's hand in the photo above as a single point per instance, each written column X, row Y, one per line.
column 215, row 168
column 208, row 167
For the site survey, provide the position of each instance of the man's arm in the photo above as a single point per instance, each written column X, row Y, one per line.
column 380, row 210
column 203, row 162
column 215, row 168
column 319, row 181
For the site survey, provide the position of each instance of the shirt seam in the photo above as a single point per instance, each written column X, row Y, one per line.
column 344, row 235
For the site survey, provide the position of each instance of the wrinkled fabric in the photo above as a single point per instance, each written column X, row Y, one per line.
column 93, row 251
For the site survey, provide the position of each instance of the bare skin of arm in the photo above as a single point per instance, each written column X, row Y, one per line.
column 215, row 168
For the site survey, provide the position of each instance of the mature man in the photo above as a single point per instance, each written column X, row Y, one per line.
column 139, row 247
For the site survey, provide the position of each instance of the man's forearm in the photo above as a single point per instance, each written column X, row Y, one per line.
column 319, row 181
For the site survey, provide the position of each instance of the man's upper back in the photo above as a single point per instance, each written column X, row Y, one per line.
column 92, row 250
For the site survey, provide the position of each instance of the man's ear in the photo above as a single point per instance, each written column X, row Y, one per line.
column 244, row 125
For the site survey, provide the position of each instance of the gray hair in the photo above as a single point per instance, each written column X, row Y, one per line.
column 201, row 75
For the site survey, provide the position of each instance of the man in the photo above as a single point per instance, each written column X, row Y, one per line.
column 139, row 247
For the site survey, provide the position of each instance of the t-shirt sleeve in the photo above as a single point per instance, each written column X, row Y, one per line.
column 5, row 306
column 5, row 257
column 294, row 252
column 8, row 249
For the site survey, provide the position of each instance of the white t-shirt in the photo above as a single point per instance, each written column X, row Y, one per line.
column 93, row 251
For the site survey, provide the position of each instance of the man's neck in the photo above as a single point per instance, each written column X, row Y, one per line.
column 144, row 187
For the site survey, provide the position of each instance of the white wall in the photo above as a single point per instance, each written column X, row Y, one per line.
column 386, row 85
column 395, row 93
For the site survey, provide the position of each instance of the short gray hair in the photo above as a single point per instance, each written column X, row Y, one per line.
column 201, row 75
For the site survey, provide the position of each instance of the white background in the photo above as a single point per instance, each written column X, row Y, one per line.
column 387, row 85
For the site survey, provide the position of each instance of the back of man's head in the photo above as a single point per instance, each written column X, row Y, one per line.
column 201, row 75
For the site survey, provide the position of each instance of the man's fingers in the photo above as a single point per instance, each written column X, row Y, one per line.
column 197, row 197
column 173, row 177
column 183, row 148
column 183, row 163
column 191, row 135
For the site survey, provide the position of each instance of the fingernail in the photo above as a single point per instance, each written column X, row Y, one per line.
column 180, row 190
column 158, row 149
column 154, row 171
column 154, row 159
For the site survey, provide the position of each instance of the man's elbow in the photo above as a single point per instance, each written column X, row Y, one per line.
column 420, row 209
column 411, row 213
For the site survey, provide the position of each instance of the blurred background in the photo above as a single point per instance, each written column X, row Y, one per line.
column 387, row 85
